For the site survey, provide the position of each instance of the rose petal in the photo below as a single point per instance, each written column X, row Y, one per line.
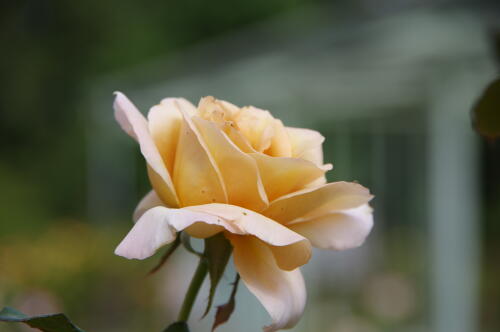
column 223, row 114
column 238, row 138
column 150, row 200
column 257, row 126
column 196, row 176
column 290, row 249
column 306, row 144
column 314, row 202
column 280, row 143
column 318, row 182
column 216, row 110
column 339, row 230
column 282, row 175
column 159, row 226
column 239, row 171
column 134, row 123
column 282, row 293
column 165, row 121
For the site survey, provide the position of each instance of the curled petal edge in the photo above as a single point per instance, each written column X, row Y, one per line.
column 282, row 293
column 159, row 226
column 136, row 125
column 339, row 230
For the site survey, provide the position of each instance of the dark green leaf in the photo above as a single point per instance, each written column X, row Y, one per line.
column 45, row 323
column 166, row 255
column 217, row 252
column 486, row 112
column 224, row 311
column 186, row 242
column 177, row 327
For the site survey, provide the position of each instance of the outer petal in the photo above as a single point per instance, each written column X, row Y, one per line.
column 239, row 171
column 306, row 144
column 196, row 176
column 318, row 182
column 282, row 175
column 158, row 227
column 147, row 202
column 165, row 121
column 134, row 123
column 290, row 249
column 315, row 202
column 338, row 230
column 282, row 293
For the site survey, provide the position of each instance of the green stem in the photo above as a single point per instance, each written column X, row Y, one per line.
column 194, row 287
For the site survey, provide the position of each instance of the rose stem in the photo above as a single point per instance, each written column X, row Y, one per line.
column 194, row 287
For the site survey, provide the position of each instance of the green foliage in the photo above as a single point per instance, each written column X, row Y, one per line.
column 486, row 112
column 45, row 323
column 225, row 310
column 170, row 250
column 186, row 242
column 70, row 267
column 217, row 252
column 177, row 327
column 53, row 51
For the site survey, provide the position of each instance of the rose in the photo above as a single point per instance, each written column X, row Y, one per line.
column 220, row 168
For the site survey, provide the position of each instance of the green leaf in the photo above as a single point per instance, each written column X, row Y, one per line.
column 45, row 323
column 186, row 242
column 177, row 327
column 217, row 252
column 166, row 255
column 486, row 112
column 225, row 311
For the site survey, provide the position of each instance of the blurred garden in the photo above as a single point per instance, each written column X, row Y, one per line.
column 390, row 84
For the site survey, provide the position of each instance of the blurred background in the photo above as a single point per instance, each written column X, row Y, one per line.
column 389, row 83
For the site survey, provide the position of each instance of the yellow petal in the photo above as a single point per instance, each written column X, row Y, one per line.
column 239, row 171
column 282, row 293
column 337, row 230
column 159, row 226
column 318, row 182
column 196, row 176
column 292, row 256
column 280, row 143
column 134, row 123
column 223, row 115
column 238, row 138
column 202, row 230
column 290, row 249
column 163, row 190
column 215, row 110
column 165, row 121
column 257, row 126
column 282, row 175
column 312, row 202
column 306, row 144
column 147, row 202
